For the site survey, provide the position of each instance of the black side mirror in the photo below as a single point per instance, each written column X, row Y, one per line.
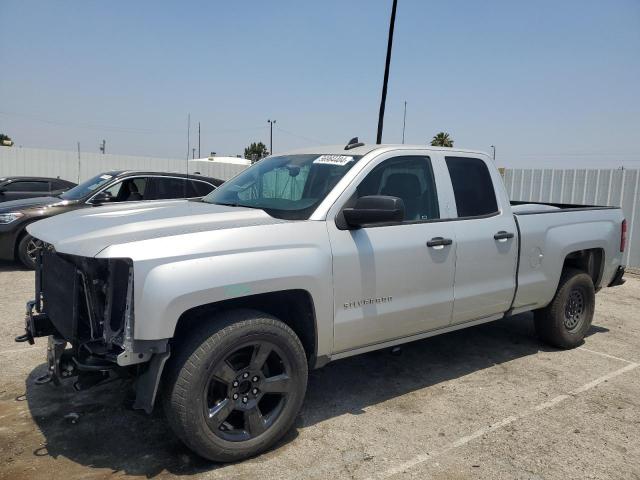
column 102, row 197
column 374, row 210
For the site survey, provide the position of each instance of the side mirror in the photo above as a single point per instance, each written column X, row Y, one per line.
column 102, row 197
column 374, row 210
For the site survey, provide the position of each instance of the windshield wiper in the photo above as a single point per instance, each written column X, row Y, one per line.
column 237, row 205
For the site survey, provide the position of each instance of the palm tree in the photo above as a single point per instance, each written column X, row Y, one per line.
column 442, row 139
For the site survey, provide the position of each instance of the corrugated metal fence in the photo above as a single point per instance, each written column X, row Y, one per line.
column 67, row 165
column 585, row 187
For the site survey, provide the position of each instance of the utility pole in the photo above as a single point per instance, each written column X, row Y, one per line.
column 188, row 135
column 193, row 152
column 383, row 99
column 271, row 122
column 199, row 140
column 494, row 153
column 404, row 120
column 103, row 147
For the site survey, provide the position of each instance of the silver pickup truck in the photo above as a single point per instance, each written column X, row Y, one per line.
column 219, row 307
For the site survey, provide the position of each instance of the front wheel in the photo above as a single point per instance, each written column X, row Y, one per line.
column 567, row 319
column 28, row 251
column 236, row 385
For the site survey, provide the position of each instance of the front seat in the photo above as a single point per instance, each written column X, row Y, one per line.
column 407, row 187
column 134, row 194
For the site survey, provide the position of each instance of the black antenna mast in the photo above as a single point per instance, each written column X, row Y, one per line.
column 383, row 100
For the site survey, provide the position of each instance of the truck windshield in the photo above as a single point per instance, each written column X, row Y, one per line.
column 86, row 188
column 288, row 187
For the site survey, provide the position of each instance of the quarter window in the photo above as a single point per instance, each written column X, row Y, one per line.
column 409, row 178
column 472, row 187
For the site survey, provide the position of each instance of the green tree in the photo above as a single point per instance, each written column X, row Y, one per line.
column 442, row 139
column 256, row 151
column 5, row 140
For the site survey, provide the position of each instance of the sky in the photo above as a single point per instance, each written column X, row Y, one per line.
column 549, row 83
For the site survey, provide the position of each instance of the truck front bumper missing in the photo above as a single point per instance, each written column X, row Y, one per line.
column 64, row 363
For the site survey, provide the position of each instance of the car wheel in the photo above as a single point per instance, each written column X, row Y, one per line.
column 566, row 320
column 28, row 250
column 235, row 385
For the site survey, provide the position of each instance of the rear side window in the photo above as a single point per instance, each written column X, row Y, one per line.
column 472, row 187
column 169, row 187
column 27, row 187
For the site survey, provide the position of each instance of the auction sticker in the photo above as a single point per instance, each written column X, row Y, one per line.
column 339, row 160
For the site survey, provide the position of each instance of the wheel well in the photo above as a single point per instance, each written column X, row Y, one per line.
column 293, row 307
column 589, row 261
column 19, row 238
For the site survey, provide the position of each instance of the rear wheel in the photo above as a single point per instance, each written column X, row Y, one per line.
column 236, row 385
column 566, row 320
column 28, row 250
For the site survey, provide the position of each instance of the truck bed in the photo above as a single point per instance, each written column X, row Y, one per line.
column 547, row 239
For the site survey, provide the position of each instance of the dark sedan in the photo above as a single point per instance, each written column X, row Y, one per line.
column 106, row 188
column 17, row 188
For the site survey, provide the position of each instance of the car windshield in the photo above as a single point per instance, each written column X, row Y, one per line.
column 289, row 187
column 88, row 187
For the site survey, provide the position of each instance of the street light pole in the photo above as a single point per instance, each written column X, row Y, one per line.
column 271, row 122
column 404, row 120
column 494, row 153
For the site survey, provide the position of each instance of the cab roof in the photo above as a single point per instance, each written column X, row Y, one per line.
column 368, row 148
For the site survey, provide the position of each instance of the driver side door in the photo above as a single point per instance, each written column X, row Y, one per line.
column 388, row 283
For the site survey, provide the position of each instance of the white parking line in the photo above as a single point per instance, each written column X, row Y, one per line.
column 425, row 457
column 606, row 355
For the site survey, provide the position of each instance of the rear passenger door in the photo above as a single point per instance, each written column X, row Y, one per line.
column 486, row 238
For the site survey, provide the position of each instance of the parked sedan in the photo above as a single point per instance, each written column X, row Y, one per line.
column 106, row 188
column 16, row 188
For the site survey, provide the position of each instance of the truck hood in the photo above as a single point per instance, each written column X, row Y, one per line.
column 87, row 232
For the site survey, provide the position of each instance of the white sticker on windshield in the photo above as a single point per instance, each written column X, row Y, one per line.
column 340, row 160
column 106, row 177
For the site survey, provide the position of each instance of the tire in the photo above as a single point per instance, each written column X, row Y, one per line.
column 567, row 319
column 25, row 250
column 221, row 392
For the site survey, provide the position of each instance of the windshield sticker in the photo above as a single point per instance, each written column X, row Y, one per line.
column 106, row 177
column 339, row 160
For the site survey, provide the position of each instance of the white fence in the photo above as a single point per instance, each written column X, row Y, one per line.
column 585, row 187
column 67, row 165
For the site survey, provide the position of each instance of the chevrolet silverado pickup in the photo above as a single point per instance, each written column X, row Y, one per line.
column 217, row 308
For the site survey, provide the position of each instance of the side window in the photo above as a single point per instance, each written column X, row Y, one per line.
column 114, row 191
column 409, row 178
column 472, row 187
column 27, row 187
column 168, row 187
column 130, row 190
column 198, row 189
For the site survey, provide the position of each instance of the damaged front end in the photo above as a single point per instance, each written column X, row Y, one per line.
column 85, row 306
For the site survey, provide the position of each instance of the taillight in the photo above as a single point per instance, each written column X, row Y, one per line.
column 623, row 235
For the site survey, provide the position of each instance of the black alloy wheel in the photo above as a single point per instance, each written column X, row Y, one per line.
column 246, row 391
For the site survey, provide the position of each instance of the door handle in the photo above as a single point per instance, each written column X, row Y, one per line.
column 439, row 242
column 502, row 235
